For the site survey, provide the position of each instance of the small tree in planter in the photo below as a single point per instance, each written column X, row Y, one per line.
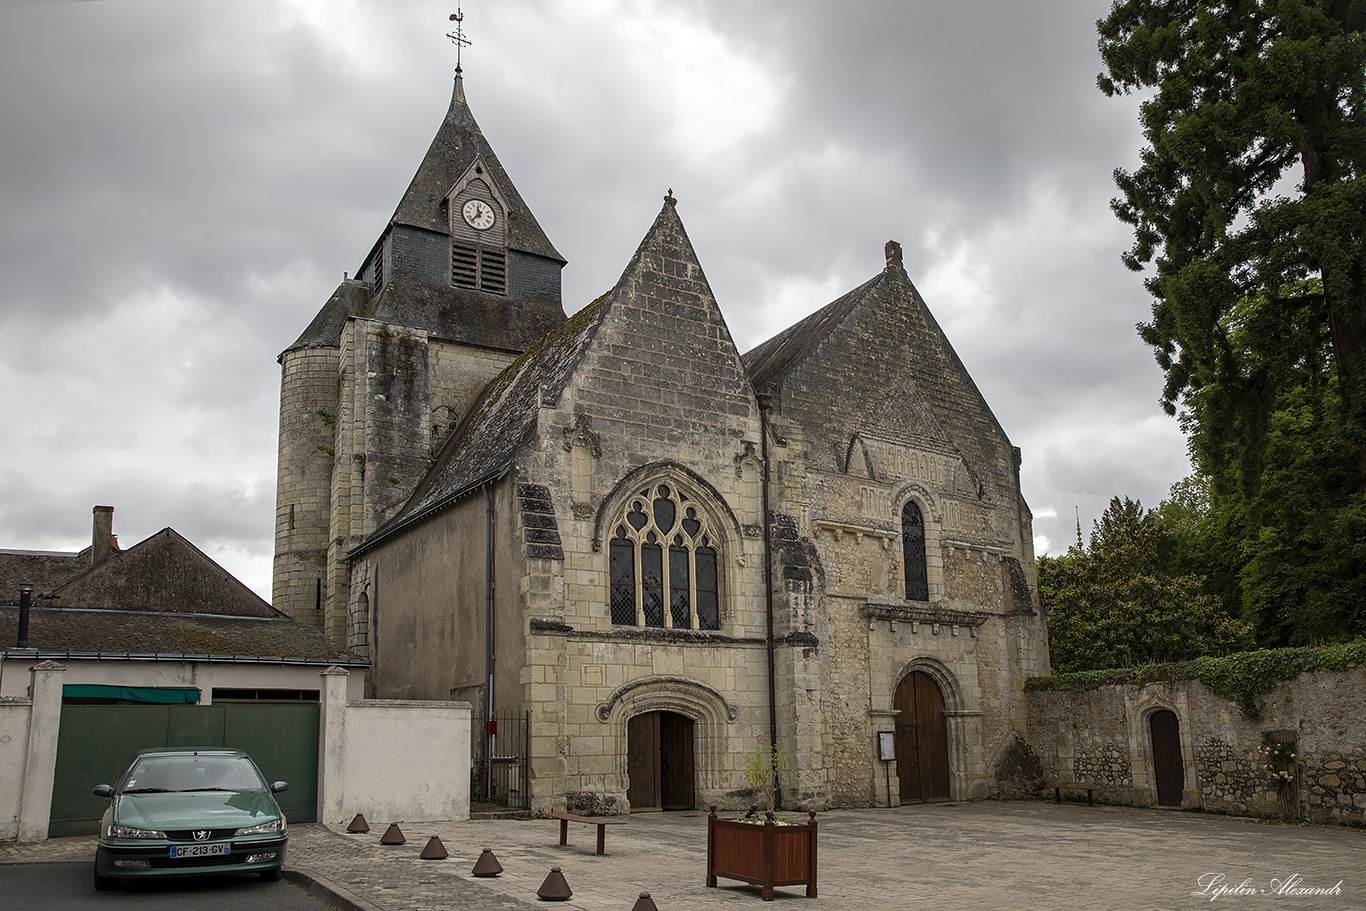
column 760, row 849
column 761, row 767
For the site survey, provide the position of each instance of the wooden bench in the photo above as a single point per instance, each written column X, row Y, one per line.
column 602, row 822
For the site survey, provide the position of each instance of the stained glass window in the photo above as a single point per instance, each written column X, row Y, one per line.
column 648, row 588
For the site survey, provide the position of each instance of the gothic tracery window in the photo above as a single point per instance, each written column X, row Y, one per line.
column 913, row 553
column 663, row 563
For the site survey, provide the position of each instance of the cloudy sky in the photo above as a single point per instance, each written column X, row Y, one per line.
column 183, row 183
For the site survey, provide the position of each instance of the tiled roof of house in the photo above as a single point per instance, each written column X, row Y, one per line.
column 75, row 632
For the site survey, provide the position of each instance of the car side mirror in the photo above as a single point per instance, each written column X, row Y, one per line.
column 279, row 786
column 103, row 790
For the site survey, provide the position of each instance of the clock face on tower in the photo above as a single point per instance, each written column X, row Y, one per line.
column 478, row 215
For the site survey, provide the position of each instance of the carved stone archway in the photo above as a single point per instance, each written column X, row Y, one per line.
column 709, row 711
column 963, row 719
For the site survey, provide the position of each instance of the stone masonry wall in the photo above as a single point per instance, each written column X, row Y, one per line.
column 1101, row 737
column 308, row 411
column 456, row 374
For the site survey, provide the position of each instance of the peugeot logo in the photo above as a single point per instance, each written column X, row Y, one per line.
column 202, row 834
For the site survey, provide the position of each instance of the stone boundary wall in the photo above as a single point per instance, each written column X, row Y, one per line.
column 1102, row 737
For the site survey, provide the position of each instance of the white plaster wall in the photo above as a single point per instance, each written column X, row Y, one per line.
column 394, row 760
column 14, row 676
column 14, row 721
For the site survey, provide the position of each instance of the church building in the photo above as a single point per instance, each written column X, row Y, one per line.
column 664, row 553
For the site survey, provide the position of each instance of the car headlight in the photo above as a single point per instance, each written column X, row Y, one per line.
column 117, row 831
column 265, row 828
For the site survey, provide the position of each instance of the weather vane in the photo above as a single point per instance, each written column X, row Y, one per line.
column 458, row 36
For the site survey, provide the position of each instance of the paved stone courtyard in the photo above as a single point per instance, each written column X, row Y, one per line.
column 992, row 855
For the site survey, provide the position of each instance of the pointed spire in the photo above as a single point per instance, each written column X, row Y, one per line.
column 460, row 41
column 458, row 95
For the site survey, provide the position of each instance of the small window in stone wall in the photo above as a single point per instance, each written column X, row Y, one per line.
column 663, row 564
column 913, row 553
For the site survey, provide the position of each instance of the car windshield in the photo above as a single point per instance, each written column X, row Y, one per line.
column 154, row 774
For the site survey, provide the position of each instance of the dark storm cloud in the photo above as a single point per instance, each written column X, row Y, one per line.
column 182, row 184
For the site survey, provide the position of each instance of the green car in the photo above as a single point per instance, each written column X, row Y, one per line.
column 189, row 812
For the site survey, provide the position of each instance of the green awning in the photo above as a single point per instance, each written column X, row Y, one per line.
column 173, row 695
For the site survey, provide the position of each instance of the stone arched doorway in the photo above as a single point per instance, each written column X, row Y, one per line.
column 659, row 762
column 922, row 742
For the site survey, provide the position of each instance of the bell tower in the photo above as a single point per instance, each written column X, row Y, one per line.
column 460, row 282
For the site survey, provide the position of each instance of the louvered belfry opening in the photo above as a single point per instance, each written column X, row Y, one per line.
column 479, row 268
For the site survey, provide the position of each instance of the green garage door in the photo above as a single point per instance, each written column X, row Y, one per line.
column 96, row 743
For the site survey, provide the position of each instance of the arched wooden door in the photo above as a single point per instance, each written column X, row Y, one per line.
column 659, row 747
column 922, row 739
column 1168, row 769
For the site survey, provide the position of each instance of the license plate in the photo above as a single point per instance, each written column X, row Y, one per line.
column 201, row 850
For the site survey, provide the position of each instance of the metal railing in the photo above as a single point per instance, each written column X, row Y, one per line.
column 502, row 749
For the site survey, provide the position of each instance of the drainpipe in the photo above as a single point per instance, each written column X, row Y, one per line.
column 488, row 623
column 765, row 406
column 25, row 605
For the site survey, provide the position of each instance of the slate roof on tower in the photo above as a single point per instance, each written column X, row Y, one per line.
column 417, row 291
column 456, row 145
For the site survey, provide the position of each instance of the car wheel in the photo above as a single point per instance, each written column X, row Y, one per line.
column 105, row 883
column 272, row 875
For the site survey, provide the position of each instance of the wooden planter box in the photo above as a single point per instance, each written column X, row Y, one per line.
column 766, row 855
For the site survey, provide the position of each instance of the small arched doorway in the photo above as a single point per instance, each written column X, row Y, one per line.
column 1168, row 769
column 922, row 739
column 659, row 748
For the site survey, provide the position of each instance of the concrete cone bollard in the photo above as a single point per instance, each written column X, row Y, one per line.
column 393, row 835
column 555, row 888
column 644, row 903
column 358, row 824
column 487, row 864
column 435, row 850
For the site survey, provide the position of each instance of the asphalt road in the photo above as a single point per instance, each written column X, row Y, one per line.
column 67, row 887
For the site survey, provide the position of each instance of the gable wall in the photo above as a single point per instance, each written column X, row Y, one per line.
column 885, row 374
column 659, row 382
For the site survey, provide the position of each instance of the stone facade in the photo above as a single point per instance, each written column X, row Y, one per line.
column 617, row 517
column 1102, row 737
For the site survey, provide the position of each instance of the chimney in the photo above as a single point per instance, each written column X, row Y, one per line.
column 102, row 538
column 25, row 605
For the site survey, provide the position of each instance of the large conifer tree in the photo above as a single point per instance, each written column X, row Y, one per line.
column 1252, row 188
